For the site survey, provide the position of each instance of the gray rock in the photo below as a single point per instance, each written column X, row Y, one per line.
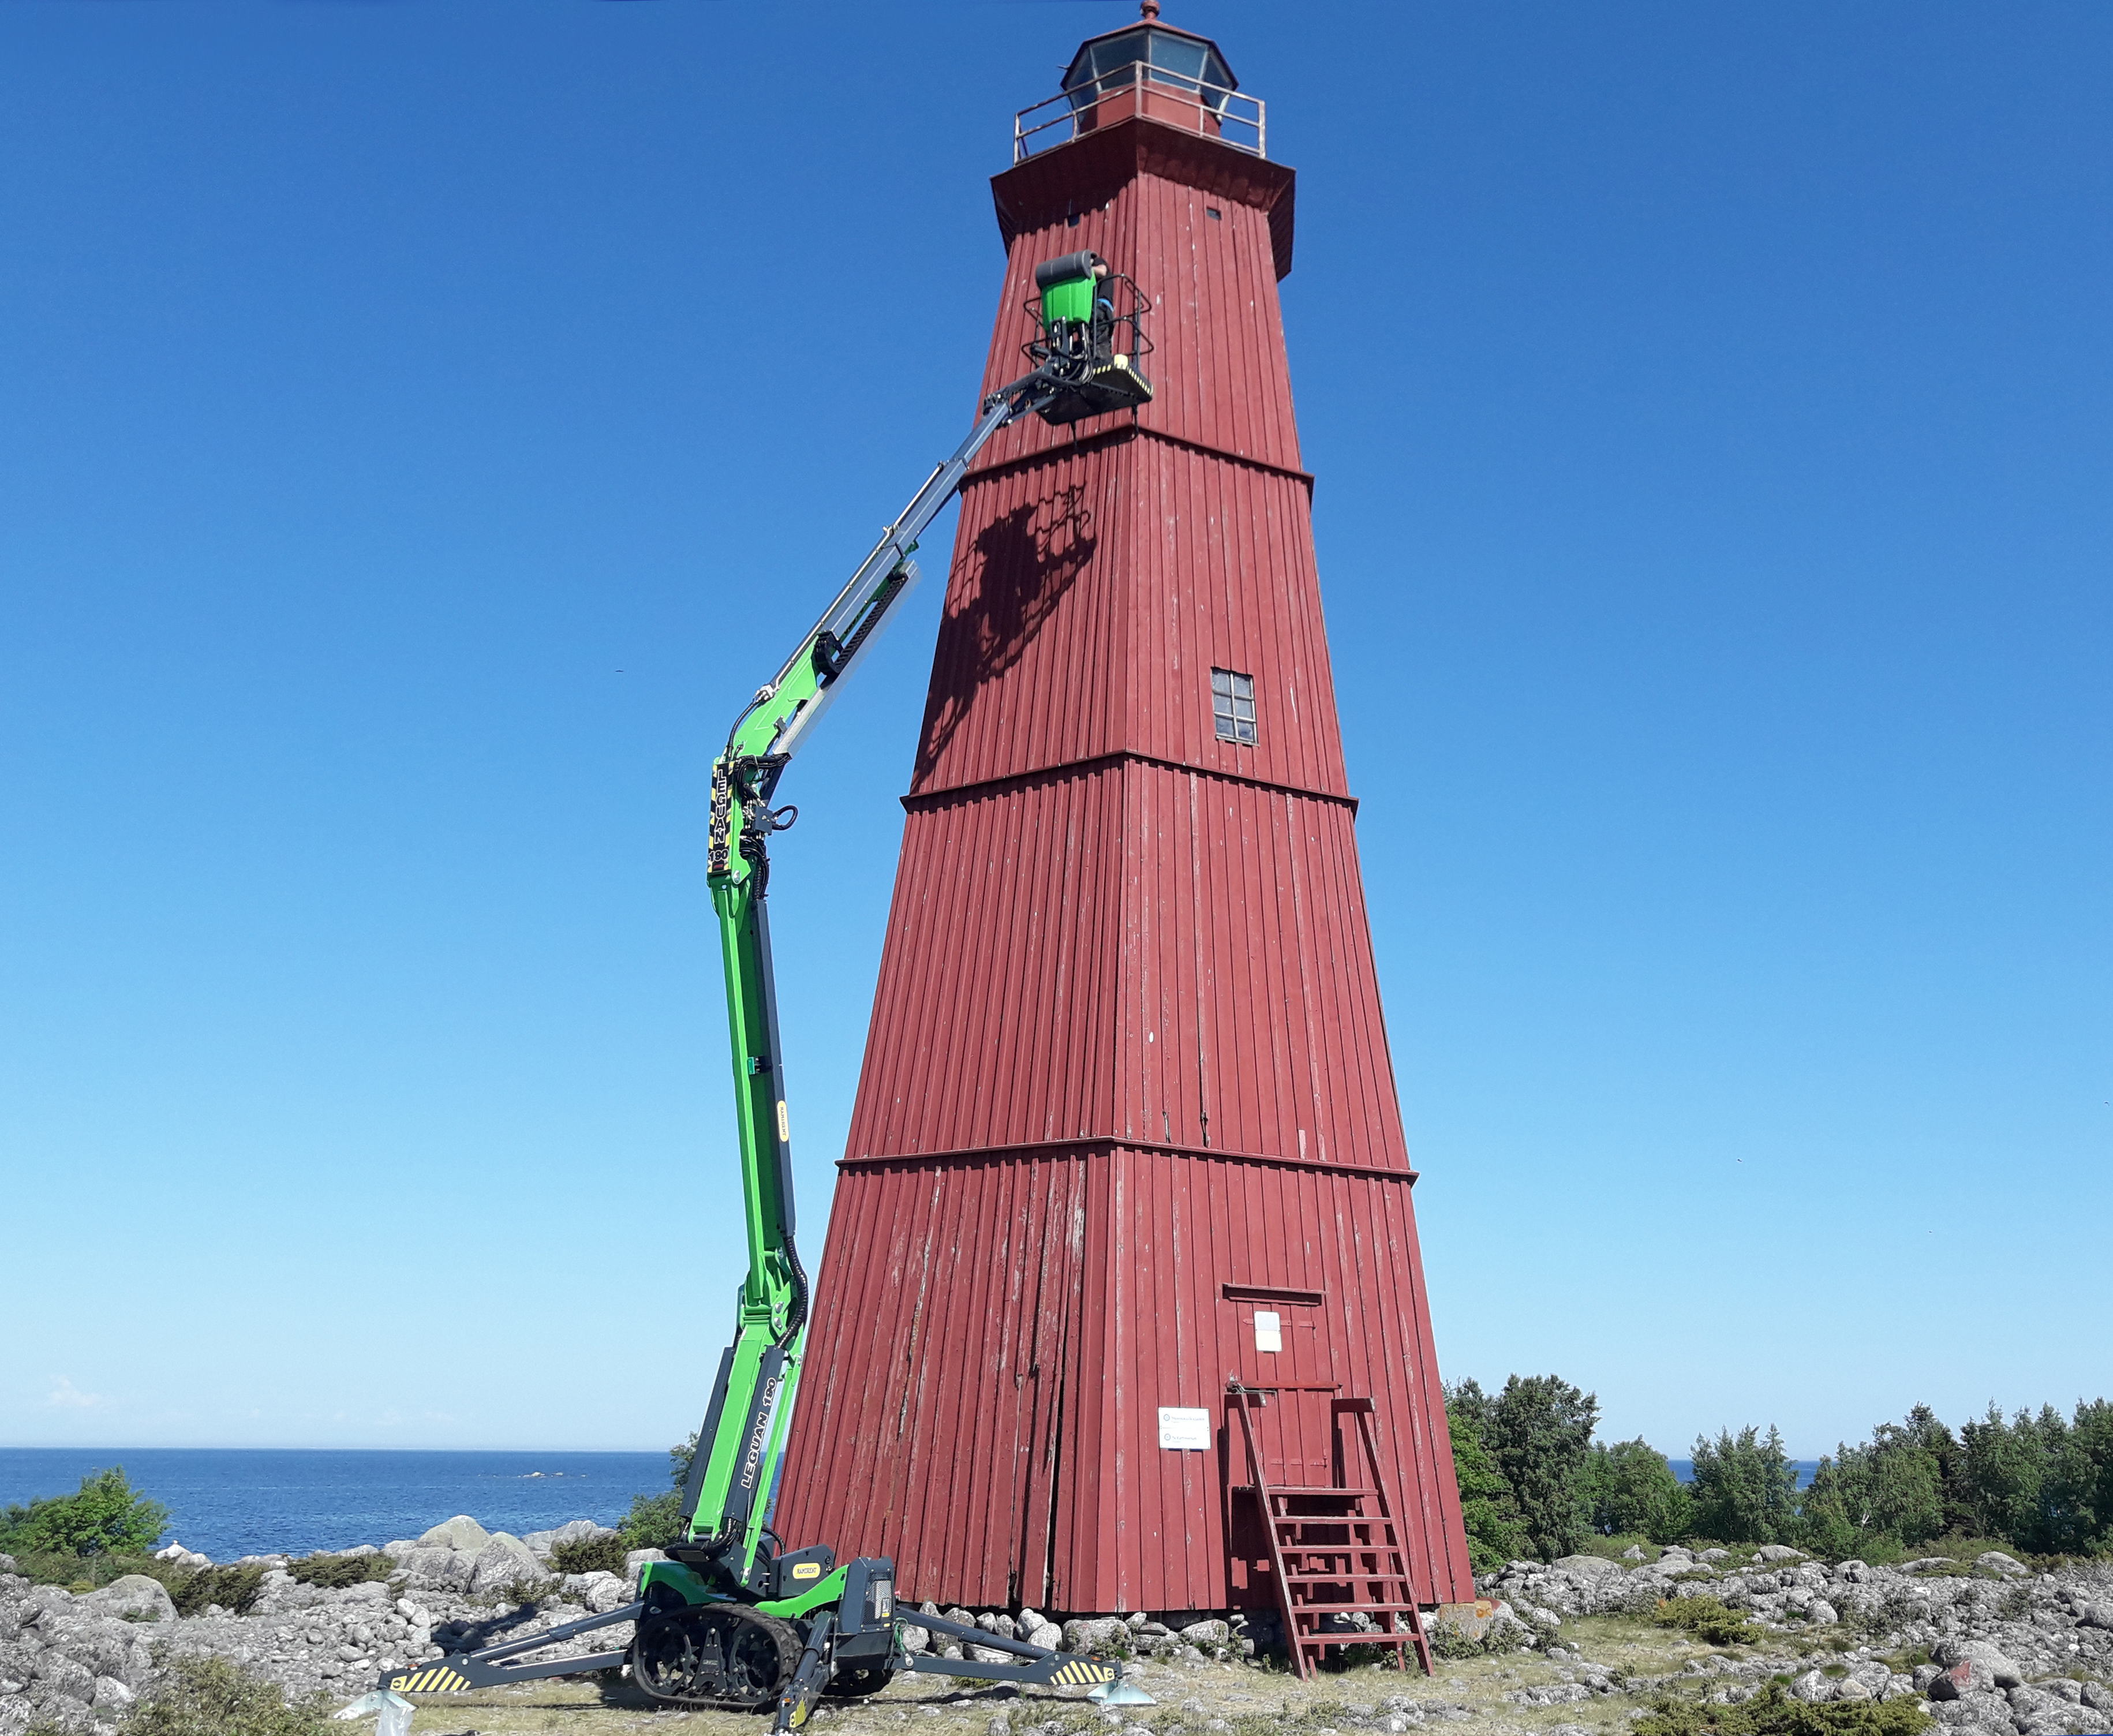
column 576, row 1531
column 1634, row 1552
column 1048, row 1636
column 2095, row 1615
column 503, row 1562
column 603, row 1592
column 462, row 1532
column 1813, row 1688
column 2034, row 1704
column 2097, row 1696
column 135, row 1595
column 1207, row 1633
column 182, row 1557
column 637, row 1558
column 443, row 1569
column 1874, row 1676
column 1592, row 1566
column 1970, row 1666
column 915, row 1638
column 61, row 1674
column 1083, row 1633
column 1822, row 1613
column 1774, row 1552
column 1996, row 1561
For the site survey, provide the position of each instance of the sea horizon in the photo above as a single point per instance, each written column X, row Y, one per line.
column 231, row 1501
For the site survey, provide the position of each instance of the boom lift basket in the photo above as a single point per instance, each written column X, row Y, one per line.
column 1089, row 339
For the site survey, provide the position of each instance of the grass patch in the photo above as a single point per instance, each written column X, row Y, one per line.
column 1772, row 1712
column 209, row 1696
column 589, row 1555
column 1708, row 1618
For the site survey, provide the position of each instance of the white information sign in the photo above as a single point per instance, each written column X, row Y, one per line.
column 1268, row 1331
column 1185, row 1431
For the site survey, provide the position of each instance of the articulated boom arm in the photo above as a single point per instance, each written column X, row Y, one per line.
column 731, row 1482
column 727, row 1621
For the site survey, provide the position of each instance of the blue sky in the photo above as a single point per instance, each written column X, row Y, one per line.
column 424, row 424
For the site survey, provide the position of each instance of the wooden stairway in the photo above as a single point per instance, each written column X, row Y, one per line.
column 1336, row 1549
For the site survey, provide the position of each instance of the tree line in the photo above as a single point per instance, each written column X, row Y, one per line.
column 1533, row 1482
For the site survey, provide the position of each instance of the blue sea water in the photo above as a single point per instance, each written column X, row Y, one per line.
column 1806, row 1469
column 245, row 1501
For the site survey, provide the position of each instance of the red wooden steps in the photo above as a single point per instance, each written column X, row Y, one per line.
column 1337, row 1564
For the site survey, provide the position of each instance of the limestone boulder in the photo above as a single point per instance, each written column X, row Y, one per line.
column 504, row 1560
column 462, row 1532
column 134, row 1598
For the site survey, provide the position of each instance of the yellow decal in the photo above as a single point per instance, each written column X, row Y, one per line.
column 784, row 1127
column 806, row 1569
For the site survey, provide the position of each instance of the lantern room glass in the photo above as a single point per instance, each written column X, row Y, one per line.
column 1190, row 64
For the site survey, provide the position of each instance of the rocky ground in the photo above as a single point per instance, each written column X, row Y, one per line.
column 1566, row 1650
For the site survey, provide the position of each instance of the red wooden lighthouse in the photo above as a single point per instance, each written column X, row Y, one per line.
column 1126, row 1188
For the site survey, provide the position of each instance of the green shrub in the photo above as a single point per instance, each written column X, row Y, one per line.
column 234, row 1587
column 590, row 1555
column 106, row 1516
column 1772, row 1712
column 209, row 1696
column 335, row 1572
column 655, row 1521
column 1708, row 1618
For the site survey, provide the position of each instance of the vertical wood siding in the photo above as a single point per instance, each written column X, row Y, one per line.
column 1126, row 1048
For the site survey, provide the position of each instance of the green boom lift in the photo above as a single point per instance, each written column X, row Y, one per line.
column 733, row 1618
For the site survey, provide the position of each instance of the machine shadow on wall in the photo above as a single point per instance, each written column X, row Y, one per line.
column 1019, row 570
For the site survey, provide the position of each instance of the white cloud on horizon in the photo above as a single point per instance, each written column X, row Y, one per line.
column 65, row 1396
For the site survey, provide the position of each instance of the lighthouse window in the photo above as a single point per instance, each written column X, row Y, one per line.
column 1233, row 707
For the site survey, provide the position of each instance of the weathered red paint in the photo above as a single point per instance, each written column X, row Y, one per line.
column 1127, row 1079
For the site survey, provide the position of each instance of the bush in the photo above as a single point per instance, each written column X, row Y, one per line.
column 1708, row 1618
column 107, row 1516
column 1629, row 1488
column 335, row 1572
column 209, row 1696
column 590, row 1555
column 1772, row 1712
column 1538, row 1430
column 233, row 1588
column 655, row 1521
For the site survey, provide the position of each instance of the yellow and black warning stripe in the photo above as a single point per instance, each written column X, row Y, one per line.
column 1083, row 1673
column 439, row 1679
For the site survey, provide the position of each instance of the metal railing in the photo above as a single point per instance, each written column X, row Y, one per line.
column 1180, row 98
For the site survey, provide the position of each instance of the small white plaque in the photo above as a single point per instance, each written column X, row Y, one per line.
column 1268, row 1331
column 1185, row 1431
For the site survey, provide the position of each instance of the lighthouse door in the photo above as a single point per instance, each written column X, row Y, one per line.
column 1284, row 1360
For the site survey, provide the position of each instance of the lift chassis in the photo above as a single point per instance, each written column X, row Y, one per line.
column 732, row 1617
